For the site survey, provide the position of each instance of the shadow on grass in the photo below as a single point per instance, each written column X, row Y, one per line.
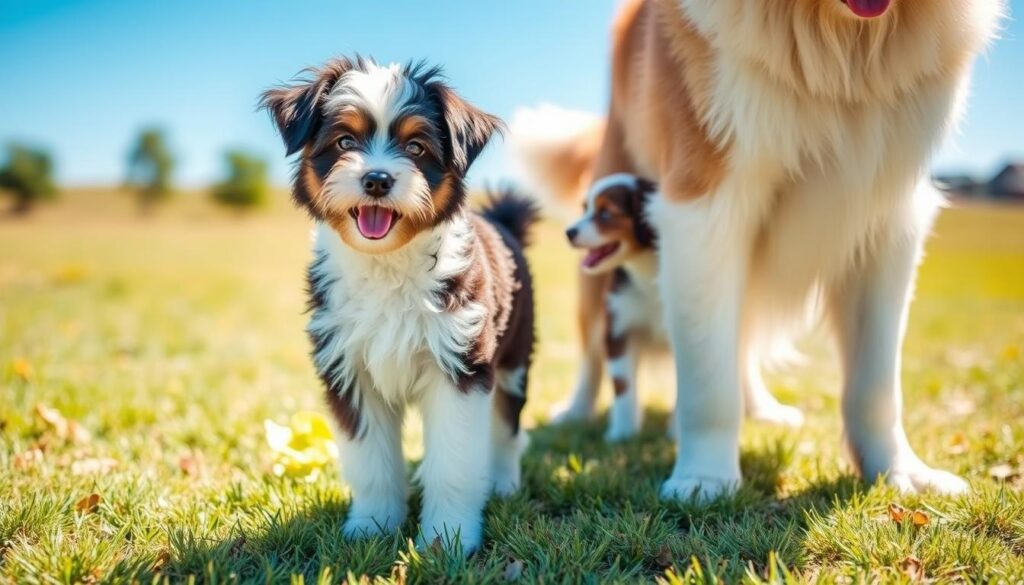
column 587, row 510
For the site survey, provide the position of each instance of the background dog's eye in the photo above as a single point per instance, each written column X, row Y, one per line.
column 347, row 142
column 604, row 215
column 414, row 148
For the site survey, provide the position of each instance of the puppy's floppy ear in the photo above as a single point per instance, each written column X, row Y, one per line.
column 296, row 108
column 469, row 129
column 639, row 198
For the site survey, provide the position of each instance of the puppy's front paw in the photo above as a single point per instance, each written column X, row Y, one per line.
column 926, row 479
column 464, row 537
column 700, row 489
column 621, row 431
column 356, row 527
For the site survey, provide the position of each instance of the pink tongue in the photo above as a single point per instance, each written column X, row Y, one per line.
column 868, row 8
column 595, row 255
column 374, row 221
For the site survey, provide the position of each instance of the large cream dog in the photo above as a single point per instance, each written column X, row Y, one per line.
column 791, row 140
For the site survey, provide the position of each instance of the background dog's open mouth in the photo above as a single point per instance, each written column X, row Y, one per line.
column 596, row 255
column 374, row 222
column 868, row 8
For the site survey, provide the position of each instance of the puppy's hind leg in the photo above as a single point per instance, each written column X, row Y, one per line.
column 508, row 439
column 624, row 417
column 591, row 322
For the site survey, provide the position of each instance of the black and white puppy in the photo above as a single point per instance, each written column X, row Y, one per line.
column 414, row 299
column 619, row 238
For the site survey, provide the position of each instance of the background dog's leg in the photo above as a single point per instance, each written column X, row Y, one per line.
column 625, row 417
column 869, row 308
column 508, row 439
column 758, row 402
column 591, row 321
column 374, row 468
column 703, row 267
column 456, row 468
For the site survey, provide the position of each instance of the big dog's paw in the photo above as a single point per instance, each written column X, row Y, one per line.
column 926, row 479
column 700, row 489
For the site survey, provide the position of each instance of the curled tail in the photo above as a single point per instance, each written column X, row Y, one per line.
column 511, row 210
column 557, row 149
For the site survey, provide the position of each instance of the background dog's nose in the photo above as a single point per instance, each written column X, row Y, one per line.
column 571, row 233
column 377, row 183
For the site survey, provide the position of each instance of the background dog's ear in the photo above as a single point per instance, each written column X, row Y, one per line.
column 296, row 108
column 639, row 198
column 469, row 129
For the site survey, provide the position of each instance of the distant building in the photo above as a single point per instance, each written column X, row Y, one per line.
column 1008, row 183
column 963, row 185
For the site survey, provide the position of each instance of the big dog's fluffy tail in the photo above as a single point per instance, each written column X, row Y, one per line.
column 556, row 149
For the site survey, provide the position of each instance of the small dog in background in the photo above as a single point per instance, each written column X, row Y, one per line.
column 620, row 240
column 414, row 299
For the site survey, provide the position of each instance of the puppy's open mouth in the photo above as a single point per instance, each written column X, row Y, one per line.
column 868, row 8
column 373, row 221
column 597, row 255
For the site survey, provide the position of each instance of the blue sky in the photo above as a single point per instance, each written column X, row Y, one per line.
column 82, row 76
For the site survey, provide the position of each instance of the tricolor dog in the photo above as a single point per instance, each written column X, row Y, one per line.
column 414, row 299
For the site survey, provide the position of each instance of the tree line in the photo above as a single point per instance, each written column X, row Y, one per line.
column 27, row 175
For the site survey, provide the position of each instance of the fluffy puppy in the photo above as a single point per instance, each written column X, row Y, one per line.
column 620, row 240
column 414, row 299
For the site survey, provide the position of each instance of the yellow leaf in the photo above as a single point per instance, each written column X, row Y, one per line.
column 88, row 504
column 70, row 274
column 958, row 444
column 23, row 369
column 303, row 447
column 1011, row 352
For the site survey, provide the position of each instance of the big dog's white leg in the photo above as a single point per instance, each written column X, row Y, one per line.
column 703, row 269
column 869, row 309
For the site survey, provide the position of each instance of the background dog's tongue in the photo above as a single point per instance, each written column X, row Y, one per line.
column 374, row 221
column 868, row 8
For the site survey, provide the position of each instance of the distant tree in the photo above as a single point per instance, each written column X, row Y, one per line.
column 150, row 165
column 28, row 176
column 246, row 185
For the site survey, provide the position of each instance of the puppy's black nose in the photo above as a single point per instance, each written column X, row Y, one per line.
column 377, row 183
column 571, row 233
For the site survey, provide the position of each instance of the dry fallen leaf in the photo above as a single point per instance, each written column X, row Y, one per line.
column 28, row 459
column 191, row 464
column 88, row 504
column 920, row 518
column 93, row 465
column 664, row 557
column 65, row 428
column 897, row 512
column 513, row 570
column 913, row 568
column 1002, row 472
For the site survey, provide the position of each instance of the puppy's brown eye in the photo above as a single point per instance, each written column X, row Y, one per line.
column 347, row 142
column 414, row 148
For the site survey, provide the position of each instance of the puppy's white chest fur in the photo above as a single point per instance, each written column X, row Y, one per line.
column 381, row 315
column 637, row 306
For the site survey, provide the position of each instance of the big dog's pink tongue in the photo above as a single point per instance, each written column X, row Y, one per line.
column 868, row 8
column 374, row 221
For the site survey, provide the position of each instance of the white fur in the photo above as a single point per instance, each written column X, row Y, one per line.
column 825, row 190
column 383, row 92
column 399, row 348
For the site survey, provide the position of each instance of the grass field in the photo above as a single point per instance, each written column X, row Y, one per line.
column 169, row 340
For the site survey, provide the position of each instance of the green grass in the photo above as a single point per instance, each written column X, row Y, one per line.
column 171, row 339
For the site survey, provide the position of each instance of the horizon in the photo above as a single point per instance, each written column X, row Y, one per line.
column 99, row 72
